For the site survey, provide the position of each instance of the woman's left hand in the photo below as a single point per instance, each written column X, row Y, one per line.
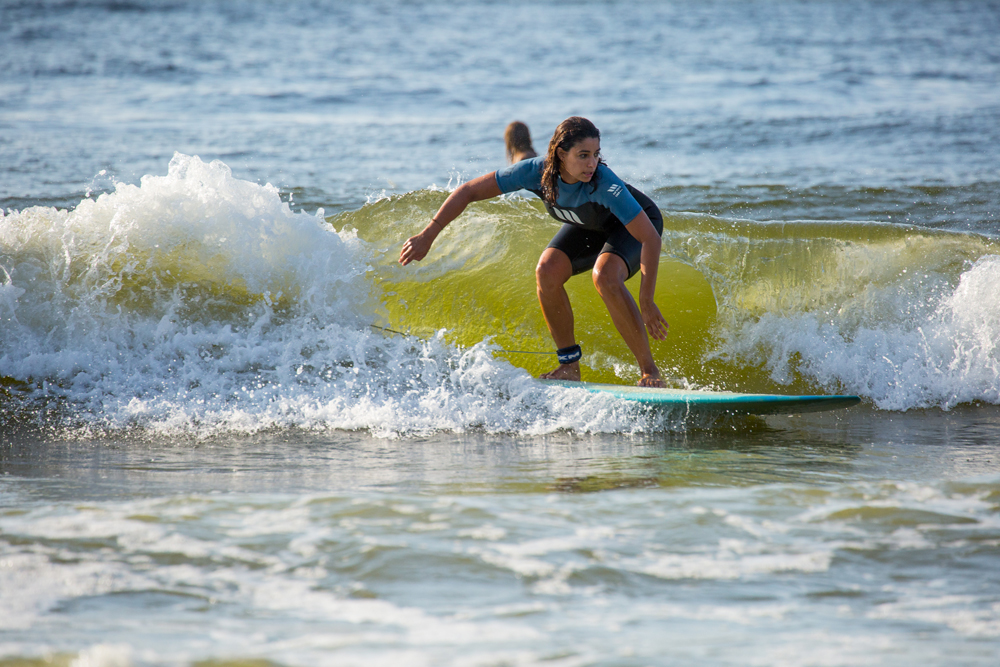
column 656, row 325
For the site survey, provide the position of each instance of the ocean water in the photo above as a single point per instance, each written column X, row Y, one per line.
column 233, row 431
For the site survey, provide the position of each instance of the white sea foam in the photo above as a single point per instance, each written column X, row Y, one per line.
column 728, row 565
column 197, row 303
column 956, row 612
column 104, row 655
column 918, row 355
column 34, row 582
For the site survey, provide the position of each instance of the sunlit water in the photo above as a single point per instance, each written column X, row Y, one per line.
column 235, row 431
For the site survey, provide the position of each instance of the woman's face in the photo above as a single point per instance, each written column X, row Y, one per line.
column 580, row 162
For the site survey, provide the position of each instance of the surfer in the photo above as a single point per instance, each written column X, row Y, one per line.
column 609, row 227
column 518, row 141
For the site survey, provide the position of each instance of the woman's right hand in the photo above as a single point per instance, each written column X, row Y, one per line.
column 416, row 247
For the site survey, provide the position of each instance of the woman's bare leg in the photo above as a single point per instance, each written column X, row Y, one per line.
column 610, row 273
column 553, row 270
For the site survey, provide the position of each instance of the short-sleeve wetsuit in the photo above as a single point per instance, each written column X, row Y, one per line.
column 593, row 214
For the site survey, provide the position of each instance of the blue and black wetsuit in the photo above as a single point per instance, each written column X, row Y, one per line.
column 594, row 214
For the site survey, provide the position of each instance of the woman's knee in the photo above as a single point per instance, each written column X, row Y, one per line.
column 553, row 269
column 609, row 272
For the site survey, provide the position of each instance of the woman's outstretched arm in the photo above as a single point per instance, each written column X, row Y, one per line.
column 417, row 247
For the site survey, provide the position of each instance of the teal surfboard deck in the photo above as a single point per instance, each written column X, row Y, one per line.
column 720, row 401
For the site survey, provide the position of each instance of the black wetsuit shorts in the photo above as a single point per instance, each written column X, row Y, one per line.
column 583, row 246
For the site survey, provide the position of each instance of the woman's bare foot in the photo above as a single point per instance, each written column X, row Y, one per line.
column 564, row 372
column 649, row 380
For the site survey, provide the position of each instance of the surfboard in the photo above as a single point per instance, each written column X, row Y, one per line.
column 718, row 401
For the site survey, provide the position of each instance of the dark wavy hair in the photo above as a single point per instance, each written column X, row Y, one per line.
column 567, row 135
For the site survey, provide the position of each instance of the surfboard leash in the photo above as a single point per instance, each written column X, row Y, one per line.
column 375, row 326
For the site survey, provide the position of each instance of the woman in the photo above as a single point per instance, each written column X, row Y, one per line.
column 517, row 139
column 609, row 227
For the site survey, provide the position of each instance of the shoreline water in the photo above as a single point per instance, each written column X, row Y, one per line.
column 869, row 530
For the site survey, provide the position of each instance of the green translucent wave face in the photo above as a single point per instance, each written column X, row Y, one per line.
column 844, row 284
column 479, row 282
column 716, row 278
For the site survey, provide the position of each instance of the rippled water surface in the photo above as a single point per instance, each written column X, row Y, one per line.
column 233, row 431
